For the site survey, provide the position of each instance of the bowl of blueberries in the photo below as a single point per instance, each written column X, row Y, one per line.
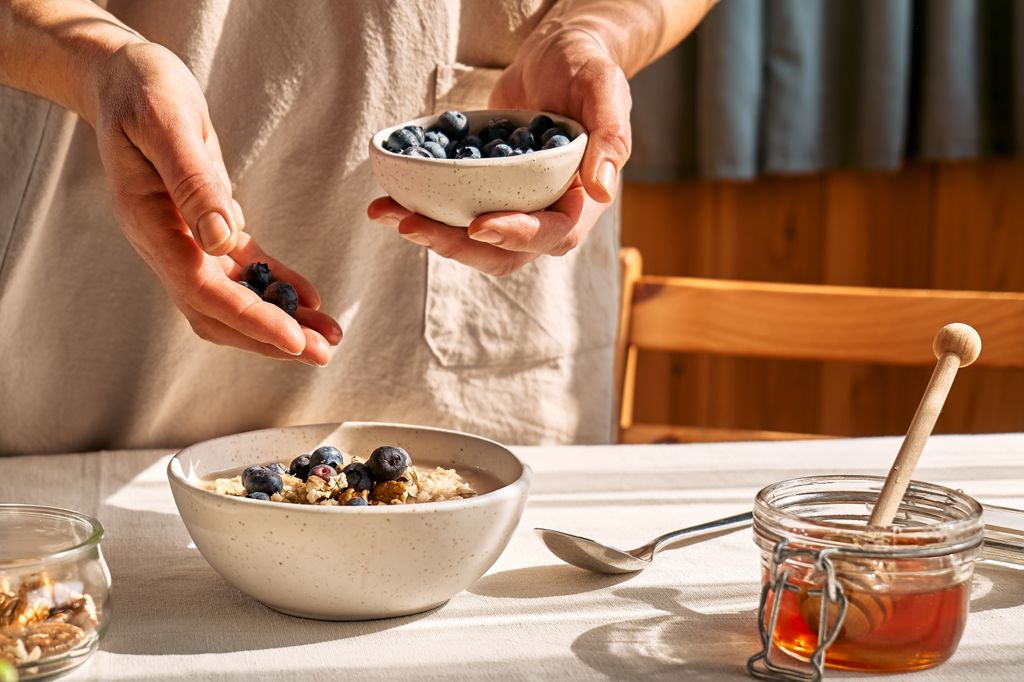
column 458, row 165
column 393, row 519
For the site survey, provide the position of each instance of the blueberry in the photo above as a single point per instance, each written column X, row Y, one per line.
column 400, row 139
column 417, row 151
column 519, row 151
column 437, row 136
column 556, row 141
column 551, row 132
column 356, row 502
column 436, row 150
column 496, row 149
column 251, row 288
column 468, row 153
column 358, row 476
column 248, row 472
column 258, row 276
column 521, row 137
column 329, row 455
column 323, row 471
column 387, row 463
column 417, row 132
column 299, row 467
column 453, row 124
column 283, row 296
column 259, row 496
column 497, row 129
column 540, row 124
column 262, row 480
column 277, row 468
column 469, row 141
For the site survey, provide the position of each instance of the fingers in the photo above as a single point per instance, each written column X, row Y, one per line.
column 317, row 351
column 454, row 243
column 185, row 153
column 248, row 251
column 605, row 106
column 553, row 231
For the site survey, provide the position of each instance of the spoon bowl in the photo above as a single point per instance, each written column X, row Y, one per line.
column 592, row 555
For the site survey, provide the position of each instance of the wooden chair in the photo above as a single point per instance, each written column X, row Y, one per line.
column 793, row 321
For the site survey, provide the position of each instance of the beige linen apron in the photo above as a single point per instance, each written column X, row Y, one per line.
column 92, row 353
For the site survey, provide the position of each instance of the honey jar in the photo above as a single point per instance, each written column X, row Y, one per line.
column 842, row 594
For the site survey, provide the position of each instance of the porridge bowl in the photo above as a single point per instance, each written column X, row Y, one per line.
column 350, row 562
column 454, row 191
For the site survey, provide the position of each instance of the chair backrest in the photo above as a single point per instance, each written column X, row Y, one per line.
column 801, row 321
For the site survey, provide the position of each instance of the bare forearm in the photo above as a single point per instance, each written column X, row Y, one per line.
column 49, row 48
column 634, row 32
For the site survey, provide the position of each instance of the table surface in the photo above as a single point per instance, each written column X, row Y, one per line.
column 691, row 615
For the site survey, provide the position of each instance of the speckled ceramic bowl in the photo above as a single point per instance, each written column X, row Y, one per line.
column 373, row 562
column 455, row 191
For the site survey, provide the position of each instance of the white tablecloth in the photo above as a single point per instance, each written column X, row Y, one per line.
column 690, row 616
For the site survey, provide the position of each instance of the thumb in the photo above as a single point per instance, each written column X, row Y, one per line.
column 195, row 179
column 606, row 105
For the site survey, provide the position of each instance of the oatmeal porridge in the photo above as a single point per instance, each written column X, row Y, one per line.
column 328, row 477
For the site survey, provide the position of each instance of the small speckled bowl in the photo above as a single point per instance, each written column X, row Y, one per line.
column 455, row 191
column 349, row 563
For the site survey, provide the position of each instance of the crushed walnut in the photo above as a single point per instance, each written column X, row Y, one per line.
column 43, row 617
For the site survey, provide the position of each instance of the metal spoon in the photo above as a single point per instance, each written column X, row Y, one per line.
column 593, row 556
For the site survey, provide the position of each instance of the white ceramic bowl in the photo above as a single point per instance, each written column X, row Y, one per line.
column 349, row 563
column 455, row 191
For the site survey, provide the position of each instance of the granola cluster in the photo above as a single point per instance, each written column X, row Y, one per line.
column 330, row 478
column 41, row 617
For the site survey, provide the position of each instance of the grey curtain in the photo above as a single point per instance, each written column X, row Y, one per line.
column 798, row 86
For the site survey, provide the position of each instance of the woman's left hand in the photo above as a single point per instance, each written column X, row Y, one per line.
column 569, row 72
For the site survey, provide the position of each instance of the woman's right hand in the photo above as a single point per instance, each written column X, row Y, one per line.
column 172, row 197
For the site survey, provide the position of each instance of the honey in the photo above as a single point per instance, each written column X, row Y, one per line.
column 886, row 632
column 894, row 599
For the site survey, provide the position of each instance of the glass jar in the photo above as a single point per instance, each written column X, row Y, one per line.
column 54, row 588
column 842, row 594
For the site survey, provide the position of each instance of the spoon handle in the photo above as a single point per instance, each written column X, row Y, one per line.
column 729, row 523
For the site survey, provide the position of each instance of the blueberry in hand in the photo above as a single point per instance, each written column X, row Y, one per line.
column 496, row 149
column 453, row 124
column 540, row 124
column 356, row 502
column 497, row 129
column 259, row 496
column 358, row 476
column 521, row 137
column 556, row 141
column 387, row 463
column 437, row 137
column 257, row 276
column 551, row 132
column 299, row 467
column 283, row 296
column 262, row 480
column 468, row 153
column 329, row 455
column 400, row 139
column 322, row 471
column 436, row 150
column 251, row 288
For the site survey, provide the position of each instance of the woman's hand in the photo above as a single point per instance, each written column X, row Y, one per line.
column 172, row 197
column 570, row 72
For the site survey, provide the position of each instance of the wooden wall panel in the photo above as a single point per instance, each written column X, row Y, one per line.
column 929, row 225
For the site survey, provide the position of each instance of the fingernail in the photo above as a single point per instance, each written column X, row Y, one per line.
column 417, row 239
column 387, row 221
column 239, row 214
column 488, row 236
column 606, row 177
column 213, row 230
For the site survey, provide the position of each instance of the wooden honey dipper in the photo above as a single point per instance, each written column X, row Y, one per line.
column 956, row 345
